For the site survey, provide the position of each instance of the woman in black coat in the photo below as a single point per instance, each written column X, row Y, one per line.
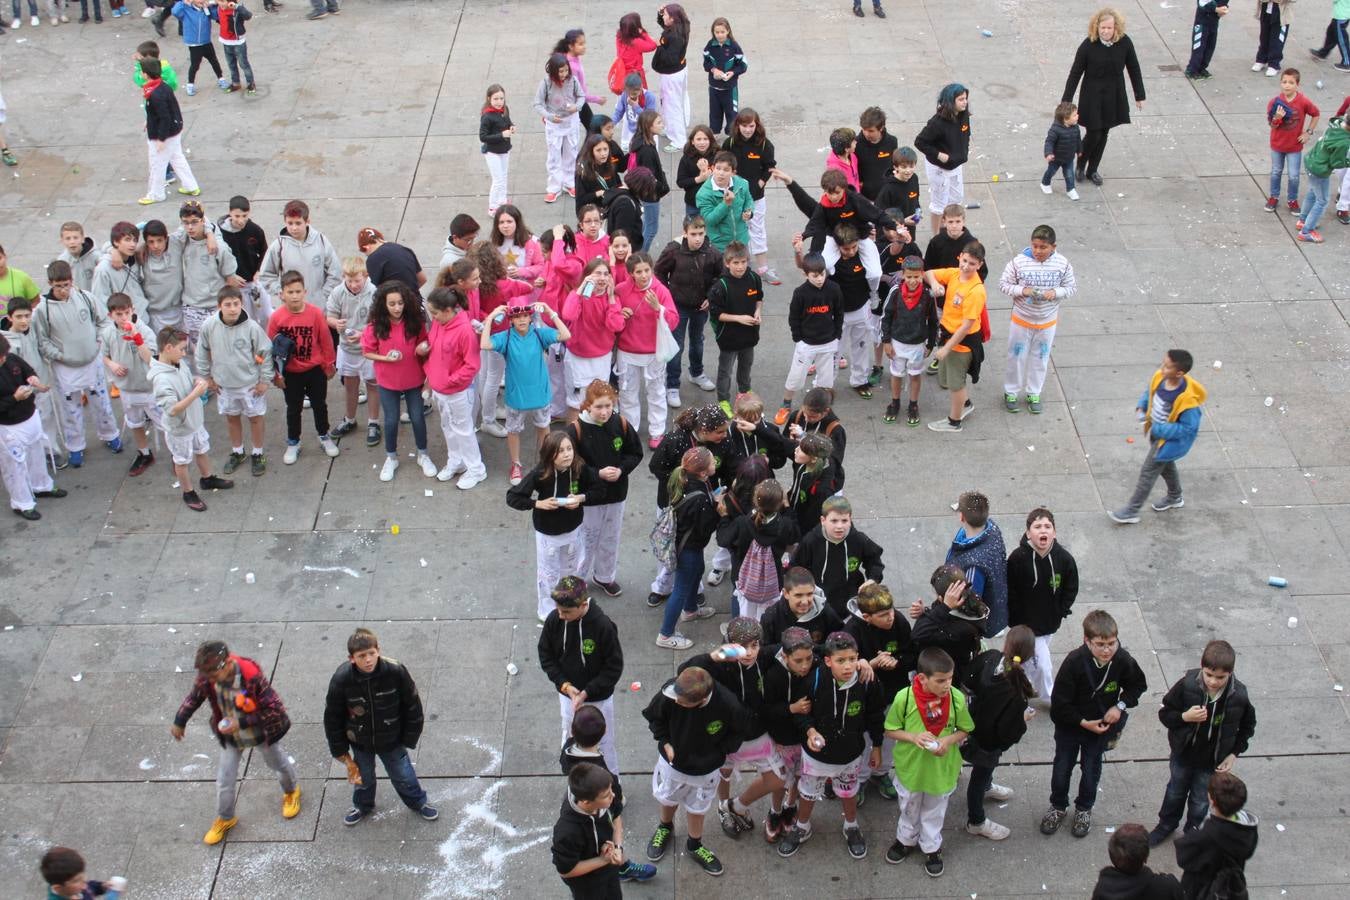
column 1101, row 62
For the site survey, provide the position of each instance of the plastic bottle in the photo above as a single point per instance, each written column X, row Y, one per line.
column 116, row 885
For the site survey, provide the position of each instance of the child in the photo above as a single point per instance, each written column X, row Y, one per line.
column 631, row 41
column 1274, row 16
column 482, row 276
column 758, row 540
column 248, row 243
column 816, row 322
column 875, row 153
column 162, row 276
column 464, row 230
column 310, row 253
column 150, row 50
column 373, row 709
column 586, row 671
column 1037, row 280
column 495, row 130
column 348, row 312
column 22, row 464
column 814, row 479
column 207, row 267
column 960, row 332
column 857, row 270
column 785, row 688
column 611, row 448
column 838, row 556
column 724, row 61
column 978, row 550
column 67, row 326
column 1096, row 683
column 634, row 101
column 843, row 141
column 232, row 16
column 696, row 722
column 305, row 370
column 527, row 389
column 643, row 300
column 594, row 316
column 1170, row 411
column 119, row 270
column 557, row 100
column 1287, row 114
column 63, row 870
column 725, row 203
column 451, row 363
column 926, row 720
column 669, row 61
column 1205, row 36
column 1331, row 152
column 688, row 268
column 23, row 344
column 1336, row 36
column 596, row 171
column 735, row 304
column 164, row 131
column 944, row 248
column 900, row 190
column 194, row 19
column 801, row 606
column 78, row 251
column 945, row 145
column 845, row 715
column 16, row 282
column 754, row 436
column 997, row 691
column 128, row 349
column 587, row 849
column 1042, row 587
column 1063, row 143
column 1214, row 856
column 1210, row 722
column 953, row 622
column 246, row 713
column 884, row 643
column 755, row 163
column 572, row 45
column 176, row 394
column 909, row 328
column 396, row 341
column 1128, row 877
column 695, row 166
column 816, row 416
column 696, row 509
column 554, row 491
column 234, row 355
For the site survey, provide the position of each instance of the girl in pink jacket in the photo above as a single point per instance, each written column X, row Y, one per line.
column 643, row 300
column 843, row 142
column 450, row 366
column 593, row 314
column 520, row 253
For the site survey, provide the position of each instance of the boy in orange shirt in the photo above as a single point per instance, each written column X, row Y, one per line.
column 960, row 331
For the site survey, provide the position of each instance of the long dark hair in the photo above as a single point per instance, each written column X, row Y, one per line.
column 491, row 269
column 644, row 134
column 586, row 167
column 630, row 27
column 692, row 152
column 678, row 21
column 522, row 233
column 414, row 322
column 556, row 63
column 564, row 45
column 548, row 449
column 1018, row 647
column 747, row 115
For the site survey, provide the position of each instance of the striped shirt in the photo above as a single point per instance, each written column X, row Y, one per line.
column 1022, row 271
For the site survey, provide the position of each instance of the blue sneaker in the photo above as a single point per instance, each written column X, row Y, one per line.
column 192, row 90
column 76, row 458
column 353, row 816
column 430, row 813
column 631, row 871
column 115, row 445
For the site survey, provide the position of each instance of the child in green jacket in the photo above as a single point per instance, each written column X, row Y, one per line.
column 1330, row 153
column 724, row 202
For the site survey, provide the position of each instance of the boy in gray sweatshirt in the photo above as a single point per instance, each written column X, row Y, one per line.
column 79, row 252
column 305, row 249
column 178, row 395
column 208, row 266
column 128, row 349
column 234, row 355
column 67, row 324
column 348, row 313
column 162, row 276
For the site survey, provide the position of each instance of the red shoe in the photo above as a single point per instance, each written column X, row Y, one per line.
column 1272, row 204
column 1312, row 237
column 654, row 442
column 517, row 474
column 780, row 418
column 571, row 192
column 551, row 197
column 1293, row 207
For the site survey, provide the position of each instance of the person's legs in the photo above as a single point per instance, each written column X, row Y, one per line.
column 554, row 135
column 232, row 60
column 227, row 773
column 726, row 361
column 1043, row 676
column 1197, row 804
column 209, row 54
column 1196, row 63
column 630, row 396
column 674, row 105
column 159, row 157
column 1061, row 772
column 178, row 161
column 498, row 165
column 1172, row 478
column 605, row 556
column 1148, row 475
column 389, row 408
column 651, row 224
column 684, row 595
column 241, row 51
column 1277, row 167
column 744, row 363
column 16, row 466
column 363, row 795
column 1180, row 776
column 981, row 777
column 856, row 341
column 293, row 391
column 417, row 414
column 547, row 570
column 493, row 365
column 1038, row 359
column 759, row 241
column 673, row 368
column 316, row 388
column 1049, row 174
column 1342, row 33
column 457, row 426
column 404, row 778
column 1319, row 192
column 654, row 378
column 1091, row 766
column 1094, row 146
column 196, row 53
column 279, row 761
column 1015, row 371
column 568, row 154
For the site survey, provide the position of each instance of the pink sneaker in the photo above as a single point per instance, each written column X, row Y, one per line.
column 551, row 197
column 654, row 442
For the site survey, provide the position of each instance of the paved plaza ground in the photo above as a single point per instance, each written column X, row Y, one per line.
column 371, row 117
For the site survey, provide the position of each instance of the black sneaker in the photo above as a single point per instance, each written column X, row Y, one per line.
column 654, row 599
column 235, row 461
column 912, row 415
column 857, row 10
column 897, row 852
column 933, row 865
column 612, row 588
column 892, row 411
column 56, row 493
column 1052, row 819
column 373, row 435
column 215, row 483
column 857, row 845
column 142, row 462
column 933, row 366
column 733, row 823
column 193, row 501
column 258, row 465
column 878, row 11
column 874, row 377
column 1082, row 823
column 1158, row 835
column 792, row 840
column 707, row 860
column 1320, row 54
column 773, row 827
column 31, row 515
column 656, row 847
column 346, row 426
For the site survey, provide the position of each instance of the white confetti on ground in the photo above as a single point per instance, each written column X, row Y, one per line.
column 343, row 569
column 147, row 764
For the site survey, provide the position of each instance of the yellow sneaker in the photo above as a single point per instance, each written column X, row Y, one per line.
column 290, row 804
column 218, row 829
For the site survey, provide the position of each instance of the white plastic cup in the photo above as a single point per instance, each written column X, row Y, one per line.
column 249, row 578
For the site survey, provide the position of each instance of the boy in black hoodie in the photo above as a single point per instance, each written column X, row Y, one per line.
column 817, row 416
column 688, row 267
column 884, row 641
column 248, row 242
column 735, row 304
column 900, row 189
column 909, row 325
column 875, row 151
column 816, row 322
column 1096, row 684
column 1042, row 586
column 579, row 651
column 696, row 723
column 587, row 849
column 838, row 556
column 1128, row 878
column 801, row 606
column 944, row 247
column 1210, row 721
column 954, row 622
column 1214, row 856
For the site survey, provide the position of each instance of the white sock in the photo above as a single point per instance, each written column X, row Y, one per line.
column 257, row 451
column 738, row 807
column 850, row 823
column 239, row 449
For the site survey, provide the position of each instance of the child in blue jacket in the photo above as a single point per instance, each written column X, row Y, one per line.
column 195, row 18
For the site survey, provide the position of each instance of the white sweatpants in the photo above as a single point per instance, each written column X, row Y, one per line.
column 556, row 555
column 169, row 153
column 561, row 138
column 1343, row 199
column 759, row 241
column 489, row 379
column 721, row 560
column 607, row 744
column 944, row 187
column 635, row 372
column 887, row 758
column 921, row 817
column 498, row 166
column 257, row 302
column 867, row 252
column 804, row 356
column 1028, row 358
column 664, row 582
column 856, row 345
column 751, row 609
column 675, row 106
column 457, row 425
column 601, row 527
column 49, row 408
column 74, row 383
column 1040, row 670
column 23, row 462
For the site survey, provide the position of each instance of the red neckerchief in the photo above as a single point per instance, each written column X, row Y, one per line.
column 149, row 87
column 827, row 202
column 935, row 710
column 906, row 296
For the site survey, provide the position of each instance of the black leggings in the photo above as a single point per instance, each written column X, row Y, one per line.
column 203, row 52
column 1094, row 145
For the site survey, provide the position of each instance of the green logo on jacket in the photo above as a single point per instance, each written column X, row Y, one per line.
column 854, row 708
column 618, row 444
column 587, row 647
column 715, row 727
column 1111, row 687
column 853, row 563
column 891, row 647
column 1055, row 580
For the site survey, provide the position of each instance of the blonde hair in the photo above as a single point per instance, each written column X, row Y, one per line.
column 1103, row 13
column 353, row 265
column 749, row 404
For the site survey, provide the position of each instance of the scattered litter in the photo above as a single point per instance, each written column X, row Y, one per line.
column 1129, row 440
column 147, row 765
column 1279, row 827
column 393, row 529
column 235, row 569
column 1338, row 688
column 637, row 686
column 1319, row 84
column 1110, row 829
column 1293, row 621
column 953, row 507
column 174, row 485
column 512, row 669
column 994, row 177
column 178, row 670
column 1031, row 447
column 9, row 627
column 1120, row 195
column 1277, row 581
column 1270, row 401
column 78, row 676
column 985, row 32
column 1218, row 364
column 422, row 563
column 343, row 569
column 173, row 630
column 428, row 492
column 1254, row 490
column 249, row 578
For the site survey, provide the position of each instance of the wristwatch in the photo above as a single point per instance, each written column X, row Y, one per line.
column 1120, row 705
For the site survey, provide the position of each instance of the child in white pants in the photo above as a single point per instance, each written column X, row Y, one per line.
column 1037, row 280
column 1042, row 587
column 23, row 464
column 495, row 131
column 860, row 325
column 557, row 101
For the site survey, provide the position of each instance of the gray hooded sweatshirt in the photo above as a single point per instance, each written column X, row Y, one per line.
column 355, row 308
column 126, row 280
column 120, row 350
column 82, row 266
column 229, row 354
column 171, row 384
column 203, row 274
column 314, row 257
column 67, row 330
column 162, row 281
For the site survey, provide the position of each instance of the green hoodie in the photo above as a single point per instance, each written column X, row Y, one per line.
column 725, row 223
column 166, row 74
column 1331, row 152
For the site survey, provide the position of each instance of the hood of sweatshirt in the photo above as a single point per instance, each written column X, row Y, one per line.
column 1113, row 884
column 1235, row 836
column 817, row 604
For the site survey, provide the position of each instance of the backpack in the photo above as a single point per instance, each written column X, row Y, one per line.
column 758, row 579
column 664, row 546
column 617, row 73
column 283, row 345
column 999, row 723
column 1229, row 882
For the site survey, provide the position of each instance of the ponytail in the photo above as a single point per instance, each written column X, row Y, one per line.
column 697, row 462
column 1018, row 647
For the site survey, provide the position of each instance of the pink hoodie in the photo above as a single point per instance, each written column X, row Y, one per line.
column 454, row 359
column 562, row 272
column 639, row 332
column 574, row 63
column 531, row 266
column 588, row 250
column 594, row 322
column 850, row 168
column 508, row 293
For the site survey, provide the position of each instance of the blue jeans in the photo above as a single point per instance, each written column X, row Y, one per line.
column 692, row 321
column 401, row 776
column 981, row 778
column 1319, row 193
column 1288, row 164
column 1078, row 746
column 1187, row 788
column 389, row 403
column 651, row 224
column 684, row 595
column 1069, row 182
column 236, row 57
column 18, row 8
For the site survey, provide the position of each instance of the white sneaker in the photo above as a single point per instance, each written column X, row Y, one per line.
column 703, row 612
column 703, row 382
column 149, row 11
column 1257, row 67
column 428, row 467
column 990, row 829
column 1073, row 194
column 405, row 418
column 673, row 398
column 676, row 641
column 447, row 473
column 328, row 446
column 390, row 467
column 305, row 403
column 1046, row 189
column 715, row 577
column 493, row 429
column 472, row 480
column 999, row 792
column 361, row 397
column 291, row 455
column 1271, row 72
column 35, row 21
